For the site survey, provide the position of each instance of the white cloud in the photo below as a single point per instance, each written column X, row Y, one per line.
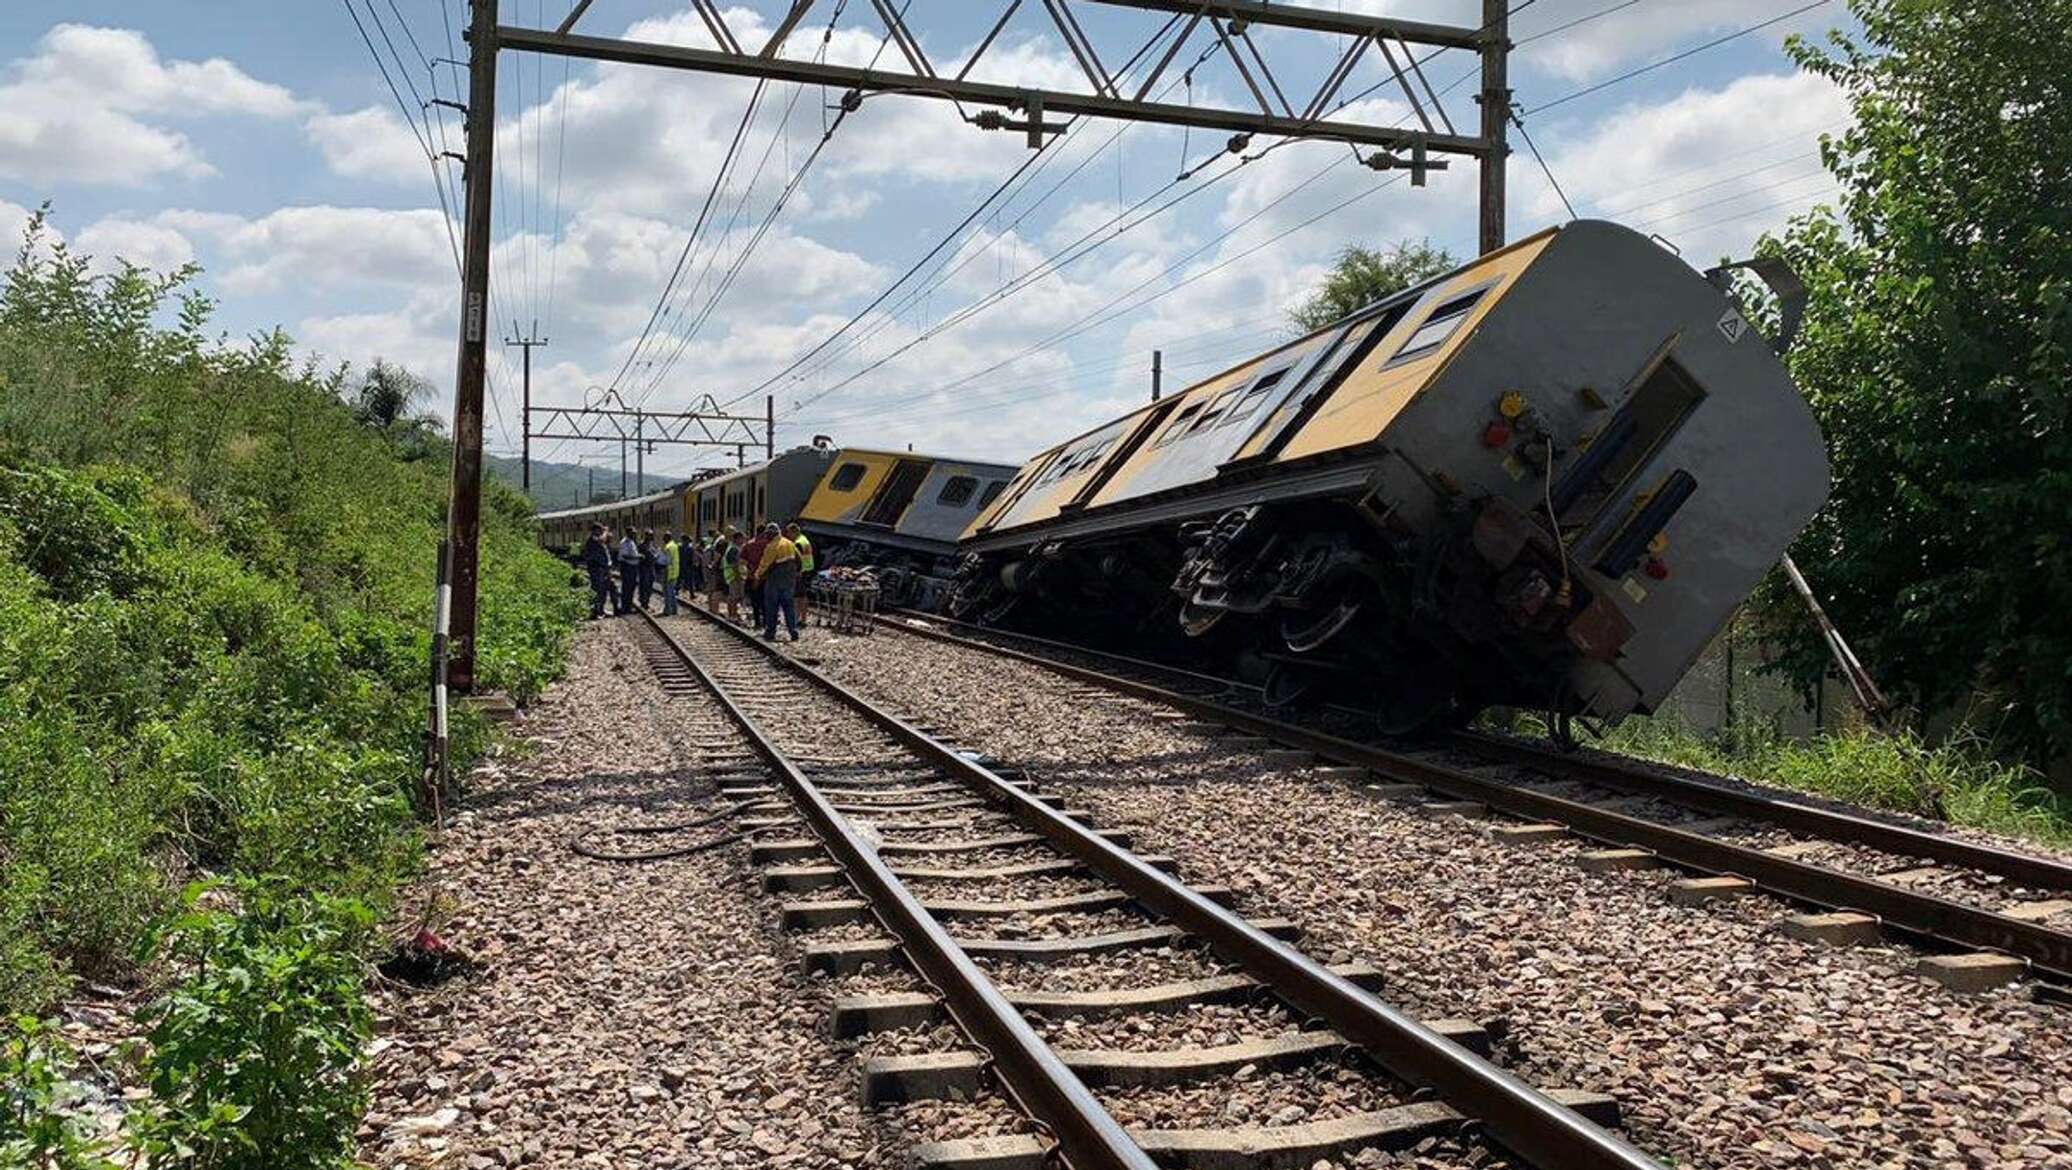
column 324, row 247
column 372, row 143
column 1647, row 31
column 1709, row 169
column 13, row 219
column 77, row 110
column 116, row 239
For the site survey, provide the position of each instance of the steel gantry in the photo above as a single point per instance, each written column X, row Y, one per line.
column 1219, row 29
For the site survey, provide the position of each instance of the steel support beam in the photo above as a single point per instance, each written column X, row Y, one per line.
column 1314, row 19
column 1051, row 102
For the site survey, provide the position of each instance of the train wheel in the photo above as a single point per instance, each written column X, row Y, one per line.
column 992, row 615
column 1306, row 630
column 1288, row 685
column 1413, row 699
column 1200, row 619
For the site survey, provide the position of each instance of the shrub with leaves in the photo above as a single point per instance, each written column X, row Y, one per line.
column 215, row 603
column 255, row 1053
column 39, row 1125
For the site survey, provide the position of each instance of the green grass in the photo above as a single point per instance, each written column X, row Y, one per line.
column 1952, row 780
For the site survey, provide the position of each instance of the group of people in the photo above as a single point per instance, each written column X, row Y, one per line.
column 769, row 570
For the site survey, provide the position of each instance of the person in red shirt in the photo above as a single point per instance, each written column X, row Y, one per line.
column 752, row 556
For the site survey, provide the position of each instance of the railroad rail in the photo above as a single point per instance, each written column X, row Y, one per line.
column 851, row 813
column 1856, row 907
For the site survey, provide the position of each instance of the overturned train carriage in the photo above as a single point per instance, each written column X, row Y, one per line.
column 900, row 514
column 1544, row 480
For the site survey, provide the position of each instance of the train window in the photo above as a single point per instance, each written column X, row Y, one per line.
column 1215, row 411
column 992, row 492
column 846, row 477
column 1179, row 424
column 1437, row 327
column 956, row 491
column 1256, row 395
column 1657, row 407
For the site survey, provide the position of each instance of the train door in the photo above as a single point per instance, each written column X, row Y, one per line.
column 895, row 493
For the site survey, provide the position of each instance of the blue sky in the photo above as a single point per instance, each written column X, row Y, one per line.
column 260, row 141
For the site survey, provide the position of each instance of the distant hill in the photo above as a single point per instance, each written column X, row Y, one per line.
column 569, row 485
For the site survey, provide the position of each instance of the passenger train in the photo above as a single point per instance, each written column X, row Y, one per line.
column 896, row 511
column 1543, row 480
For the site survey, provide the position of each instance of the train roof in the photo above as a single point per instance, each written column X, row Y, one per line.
column 933, row 458
column 613, row 505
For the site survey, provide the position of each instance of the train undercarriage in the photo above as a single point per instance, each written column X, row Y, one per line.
column 1320, row 602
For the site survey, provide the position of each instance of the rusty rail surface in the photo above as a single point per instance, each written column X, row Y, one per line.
column 1533, row 1126
column 1088, row 1137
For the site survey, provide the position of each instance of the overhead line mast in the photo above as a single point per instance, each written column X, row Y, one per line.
column 1220, row 24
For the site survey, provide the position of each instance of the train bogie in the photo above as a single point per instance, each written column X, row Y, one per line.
column 1543, row 480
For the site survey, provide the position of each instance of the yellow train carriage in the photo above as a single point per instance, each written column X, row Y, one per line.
column 1544, row 479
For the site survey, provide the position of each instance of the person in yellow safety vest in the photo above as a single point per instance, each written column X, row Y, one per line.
column 805, row 547
column 672, row 572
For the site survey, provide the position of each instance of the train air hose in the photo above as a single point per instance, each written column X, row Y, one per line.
column 579, row 844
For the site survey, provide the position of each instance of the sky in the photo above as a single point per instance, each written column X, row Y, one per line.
column 262, row 141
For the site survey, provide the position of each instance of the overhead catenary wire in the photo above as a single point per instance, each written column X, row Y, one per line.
column 1043, row 153
column 986, row 302
column 876, row 410
column 1643, row 70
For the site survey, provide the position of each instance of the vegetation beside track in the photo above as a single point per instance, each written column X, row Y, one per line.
column 215, row 602
column 1954, row 780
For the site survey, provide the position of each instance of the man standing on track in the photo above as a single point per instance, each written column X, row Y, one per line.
column 597, row 561
column 715, row 578
column 797, row 537
column 737, row 574
column 647, row 568
column 777, row 574
column 751, row 561
column 629, row 573
column 672, row 570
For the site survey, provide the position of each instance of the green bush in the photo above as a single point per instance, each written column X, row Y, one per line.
column 254, row 1057
column 215, row 601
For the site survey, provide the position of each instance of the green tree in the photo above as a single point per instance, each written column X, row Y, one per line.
column 387, row 399
column 1364, row 275
column 1937, row 352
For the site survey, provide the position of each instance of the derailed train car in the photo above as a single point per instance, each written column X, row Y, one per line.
column 901, row 514
column 897, row 512
column 1544, row 480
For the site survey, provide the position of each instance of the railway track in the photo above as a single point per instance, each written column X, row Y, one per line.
column 1987, row 915
column 865, row 819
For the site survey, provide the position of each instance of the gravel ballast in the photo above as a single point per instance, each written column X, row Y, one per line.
column 621, row 1014
column 1726, row 1043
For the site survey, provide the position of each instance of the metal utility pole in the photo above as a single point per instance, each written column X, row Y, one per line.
column 1496, row 119
column 531, row 341
column 769, row 426
column 1157, row 372
column 464, row 508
